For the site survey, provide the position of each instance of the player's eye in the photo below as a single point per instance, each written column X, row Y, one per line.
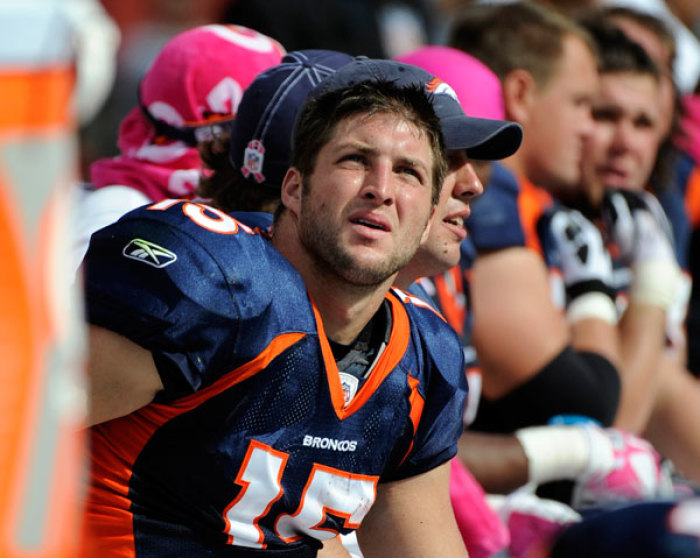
column 644, row 122
column 605, row 114
column 412, row 172
column 353, row 158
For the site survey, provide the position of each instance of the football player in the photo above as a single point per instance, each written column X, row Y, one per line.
column 215, row 354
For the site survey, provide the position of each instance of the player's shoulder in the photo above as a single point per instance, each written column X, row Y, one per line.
column 503, row 180
column 193, row 223
column 432, row 335
column 419, row 307
column 685, row 170
column 254, row 219
column 420, row 289
column 496, row 221
column 193, row 247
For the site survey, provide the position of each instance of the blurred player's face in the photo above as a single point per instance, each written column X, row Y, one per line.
column 441, row 249
column 559, row 119
column 621, row 151
column 661, row 54
column 366, row 205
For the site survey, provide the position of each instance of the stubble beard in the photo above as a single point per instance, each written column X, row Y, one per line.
column 329, row 256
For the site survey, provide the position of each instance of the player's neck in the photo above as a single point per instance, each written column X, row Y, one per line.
column 423, row 264
column 530, row 168
column 345, row 308
column 344, row 312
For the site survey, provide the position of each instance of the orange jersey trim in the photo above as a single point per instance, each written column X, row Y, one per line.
column 127, row 436
column 532, row 203
column 454, row 312
column 417, row 404
column 389, row 359
column 692, row 197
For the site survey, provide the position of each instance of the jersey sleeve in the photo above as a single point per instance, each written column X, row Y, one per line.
column 157, row 285
column 495, row 221
column 443, row 391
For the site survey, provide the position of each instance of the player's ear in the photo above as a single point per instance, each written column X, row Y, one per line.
column 426, row 232
column 292, row 190
column 518, row 88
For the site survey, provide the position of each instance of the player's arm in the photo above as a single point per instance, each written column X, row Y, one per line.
column 606, row 464
column 122, row 376
column 587, row 275
column 412, row 518
column 642, row 345
column 642, row 233
column 333, row 548
column 672, row 427
column 517, row 328
column 146, row 307
column 497, row 461
column 525, row 351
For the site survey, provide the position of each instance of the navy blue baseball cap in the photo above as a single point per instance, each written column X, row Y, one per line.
column 261, row 134
column 481, row 138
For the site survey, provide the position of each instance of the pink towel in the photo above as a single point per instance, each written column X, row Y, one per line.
column 482, row 529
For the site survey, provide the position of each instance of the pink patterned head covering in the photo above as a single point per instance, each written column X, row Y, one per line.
column 478, row 88
column 196, row 81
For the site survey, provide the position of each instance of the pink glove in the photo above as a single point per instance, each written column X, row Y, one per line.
column 636, row 474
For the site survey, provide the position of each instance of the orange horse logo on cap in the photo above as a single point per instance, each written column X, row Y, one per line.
column 437, row 87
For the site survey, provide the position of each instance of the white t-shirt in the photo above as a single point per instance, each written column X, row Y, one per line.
column 97, row 208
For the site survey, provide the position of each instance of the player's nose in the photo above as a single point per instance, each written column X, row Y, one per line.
column 378, row 183
column 467, row 185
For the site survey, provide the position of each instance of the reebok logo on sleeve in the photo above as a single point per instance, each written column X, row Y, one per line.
column 148, row 253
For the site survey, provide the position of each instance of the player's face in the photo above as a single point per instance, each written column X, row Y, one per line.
column 662, row 55
column 622, row 149
column 559, row 119
column 441, row 249
column 368, row 200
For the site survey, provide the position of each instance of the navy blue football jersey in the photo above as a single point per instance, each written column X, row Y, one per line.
column 508, row 213
column 251, row 447
column 678, row 198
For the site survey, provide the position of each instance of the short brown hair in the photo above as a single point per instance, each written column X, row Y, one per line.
column 520, row 35
column 649, row 21
column 320, row 116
